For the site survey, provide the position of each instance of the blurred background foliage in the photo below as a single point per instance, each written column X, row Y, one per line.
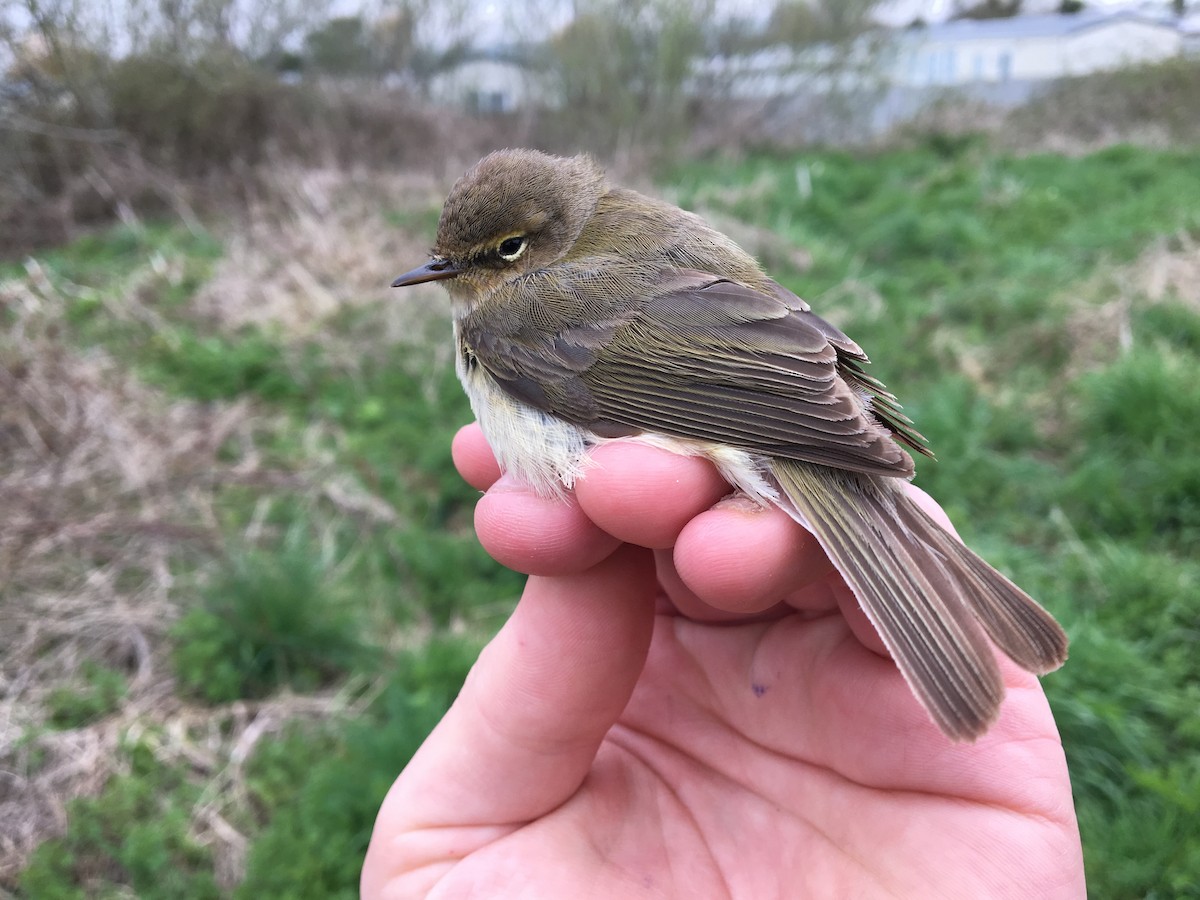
column 238, row 579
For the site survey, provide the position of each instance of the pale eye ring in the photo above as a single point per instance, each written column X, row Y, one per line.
column 510, row 249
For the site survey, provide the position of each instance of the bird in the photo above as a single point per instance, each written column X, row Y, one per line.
column 586, row 312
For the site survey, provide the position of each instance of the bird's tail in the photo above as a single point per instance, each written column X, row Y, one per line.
column 930, row 598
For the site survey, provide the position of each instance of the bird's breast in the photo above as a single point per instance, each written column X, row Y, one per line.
column 541, row 450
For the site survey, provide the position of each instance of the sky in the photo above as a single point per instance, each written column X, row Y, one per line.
column 494, row 18
column 499, row 22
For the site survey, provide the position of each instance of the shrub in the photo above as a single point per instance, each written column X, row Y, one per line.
column 193, row 116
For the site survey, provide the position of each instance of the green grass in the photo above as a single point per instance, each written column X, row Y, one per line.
column 313, row 792
column 100, row 694
column 1080, row 480
column 324, row 814
column 272, row 617
column 136, row 834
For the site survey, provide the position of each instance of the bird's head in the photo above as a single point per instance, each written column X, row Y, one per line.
column 514, row 212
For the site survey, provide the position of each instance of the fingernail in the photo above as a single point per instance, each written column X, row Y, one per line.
column 507, row 484
column 739, row 503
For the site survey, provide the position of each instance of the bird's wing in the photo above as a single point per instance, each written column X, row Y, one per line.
column 701, row 358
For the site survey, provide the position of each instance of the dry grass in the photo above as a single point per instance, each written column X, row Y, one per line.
column 311, row 241
column 1171, row 269
column 1100, row 321
column 107, row 484
column 1153, row 106
column 104, row 483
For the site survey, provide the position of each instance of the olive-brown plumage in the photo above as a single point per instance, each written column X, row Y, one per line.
column 585, row 312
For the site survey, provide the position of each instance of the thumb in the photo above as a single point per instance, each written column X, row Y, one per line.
column 522, row 735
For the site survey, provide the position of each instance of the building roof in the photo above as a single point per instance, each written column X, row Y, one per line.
column 1040, row 26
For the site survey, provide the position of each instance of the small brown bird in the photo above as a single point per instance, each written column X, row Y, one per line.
column 585, row 312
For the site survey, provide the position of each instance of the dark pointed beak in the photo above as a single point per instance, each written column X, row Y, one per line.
column 434, row 270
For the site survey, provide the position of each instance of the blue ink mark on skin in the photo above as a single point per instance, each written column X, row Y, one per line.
column 759, row 689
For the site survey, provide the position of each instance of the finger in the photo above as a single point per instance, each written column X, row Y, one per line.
column 677, row 599
column 931, row 507
column 522, row 734
column 474, row 458
column 538, row 535
column 743, row 558
column 645, row 495
column 859, row 624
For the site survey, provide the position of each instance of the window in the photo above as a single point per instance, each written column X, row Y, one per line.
column 488, row 103
column 1004, row 65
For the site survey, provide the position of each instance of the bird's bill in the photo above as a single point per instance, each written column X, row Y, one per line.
column 434, row 270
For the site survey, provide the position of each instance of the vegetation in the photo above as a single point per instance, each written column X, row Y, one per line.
column 142, row 108
column 114, row 111
column 1154, row 104
column 303, row 582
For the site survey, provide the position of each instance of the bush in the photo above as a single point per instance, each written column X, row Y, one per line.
column 153, row 133
column 193, row 116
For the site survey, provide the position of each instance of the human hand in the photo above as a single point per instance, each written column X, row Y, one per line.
column 713, row 717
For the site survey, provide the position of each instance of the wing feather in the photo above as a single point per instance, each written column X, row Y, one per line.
column 759, row 371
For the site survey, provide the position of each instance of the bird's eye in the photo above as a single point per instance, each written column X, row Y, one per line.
column 510, row 249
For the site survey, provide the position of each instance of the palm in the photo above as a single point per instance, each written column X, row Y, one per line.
column 767, row 754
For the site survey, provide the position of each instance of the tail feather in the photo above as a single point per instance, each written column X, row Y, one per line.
column 1016, row 622
column 930, row 598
